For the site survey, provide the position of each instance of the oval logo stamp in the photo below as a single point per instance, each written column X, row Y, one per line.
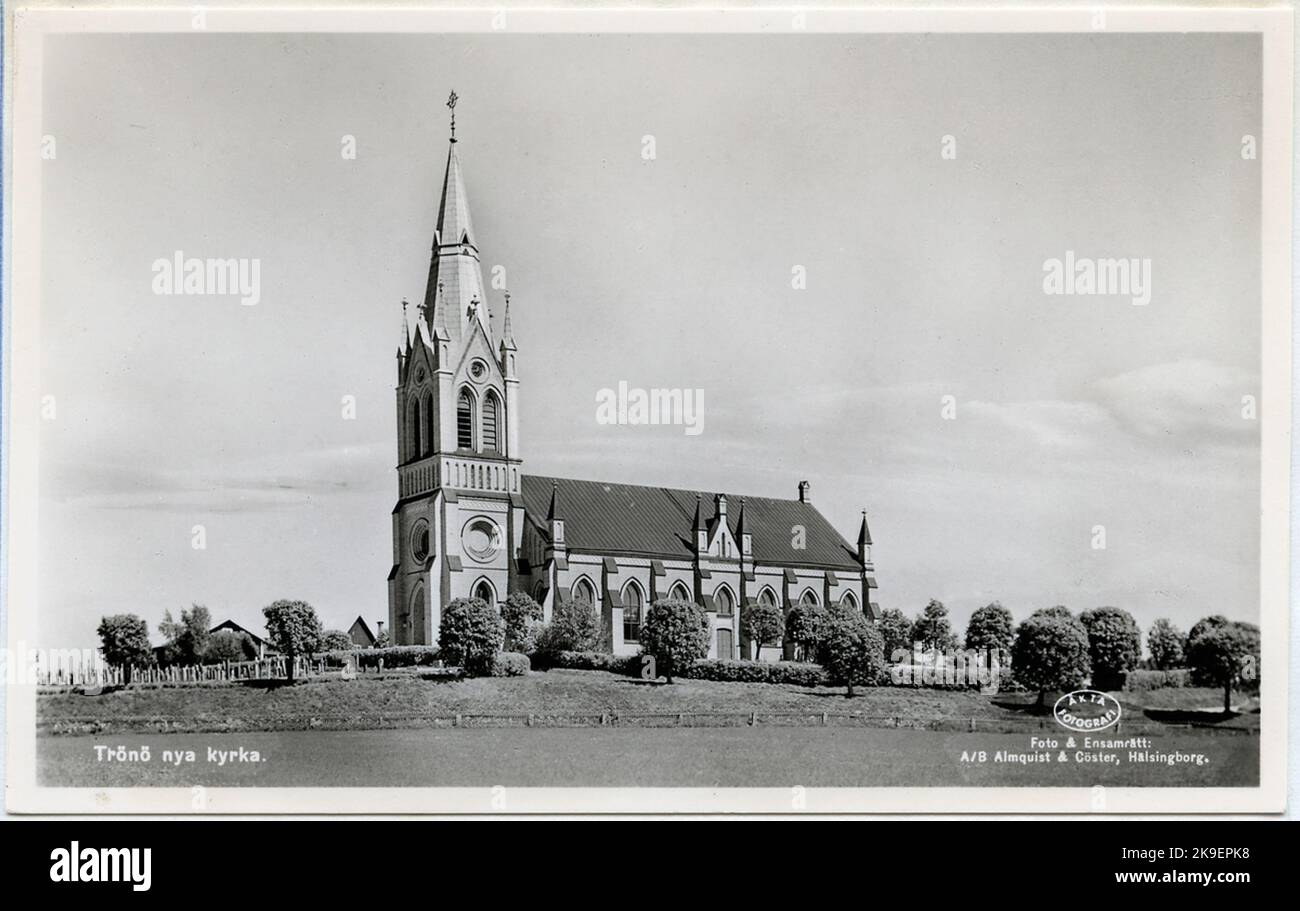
column 1086, row 711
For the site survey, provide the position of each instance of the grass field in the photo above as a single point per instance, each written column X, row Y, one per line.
column 613, row 757
column 408, row 700
column 568, row 728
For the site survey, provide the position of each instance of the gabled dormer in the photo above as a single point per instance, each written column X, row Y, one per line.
column 720, row 542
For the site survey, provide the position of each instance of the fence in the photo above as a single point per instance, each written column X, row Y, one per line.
column 406, row 720
column 100, row 674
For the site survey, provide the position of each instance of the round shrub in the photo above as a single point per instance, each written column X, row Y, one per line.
column 510, row 664
column 675, row 633
column 470, row 635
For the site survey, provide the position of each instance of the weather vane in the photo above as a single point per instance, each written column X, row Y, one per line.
column 451, row 104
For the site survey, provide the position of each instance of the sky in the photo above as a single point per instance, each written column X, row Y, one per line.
column 923, row 281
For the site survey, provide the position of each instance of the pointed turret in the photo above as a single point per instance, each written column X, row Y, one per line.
column 454, row 266
column 864, row 541
column 743, row 534
column 553, row 512
column 507, row 334
column 555, row 522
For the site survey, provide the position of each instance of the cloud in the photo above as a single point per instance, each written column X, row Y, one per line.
column 1196, row 402
column 271, row 482
column 1049, row 422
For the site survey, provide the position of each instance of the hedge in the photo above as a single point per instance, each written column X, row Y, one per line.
column 793, row 672
column 396, row 656
column 510, row 664
column 589, row 661
column 1142, row 679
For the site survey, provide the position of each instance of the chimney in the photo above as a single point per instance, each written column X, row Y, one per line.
column 804, row 492
column 379, row 625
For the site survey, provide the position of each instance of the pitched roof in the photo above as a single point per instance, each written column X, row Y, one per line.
column 235, row 627
column 657, row 522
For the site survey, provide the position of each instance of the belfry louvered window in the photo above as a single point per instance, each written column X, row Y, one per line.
column 465, row 421
column 490, row 411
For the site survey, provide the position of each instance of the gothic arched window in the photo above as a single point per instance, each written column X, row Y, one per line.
column 584, row 591
column 679, row 593
column 491, row 425
column 417, row 446
column 849, row 601
column 483, row 591
column 808, row 599
column 766, row 597
column 633, row 604
column 723, row 602
column 465, row 420
column 428, row 425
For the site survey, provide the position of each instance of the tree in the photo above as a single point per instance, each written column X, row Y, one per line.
column 1114, row 645
column 520, row 613
column 896, row 631
column 992, row 628
column 933, row 630
column 124, row 640
column 763, row 624
column 1167, row 645
column 383, row 640
column 229, row 645
column 470, row 635
column 1051, row 653
column 1225, row 654
column 294, row 629
column 1059, row 610
column 335, row 640
column 574, row 627
column 851, row 649
column 803, row 627
column 676, row 633
column 187, row 640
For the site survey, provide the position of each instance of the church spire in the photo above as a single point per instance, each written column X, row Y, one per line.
column 454, row 267
column 554, row 511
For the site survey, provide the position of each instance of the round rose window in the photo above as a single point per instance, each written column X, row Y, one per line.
column 420, row 541
column 482, row 539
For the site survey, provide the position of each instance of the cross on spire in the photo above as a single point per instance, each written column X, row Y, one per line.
column 451, row 104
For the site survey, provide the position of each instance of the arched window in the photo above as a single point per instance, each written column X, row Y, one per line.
column 849, row 601
column 465, row 420
column 633, row 605
column 723, row 602
column 413, row 620
column 767, row 597
column 583, row 590
column 808, row 599
column 428, row 425
column 491, row 427
column 679, row 593
column 417, row 446
column 483, row 591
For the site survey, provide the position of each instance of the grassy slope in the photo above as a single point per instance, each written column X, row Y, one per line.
column 555, row 692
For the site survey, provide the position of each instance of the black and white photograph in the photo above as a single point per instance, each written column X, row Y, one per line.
column 512, row 412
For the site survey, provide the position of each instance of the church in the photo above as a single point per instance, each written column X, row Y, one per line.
column 469, row 522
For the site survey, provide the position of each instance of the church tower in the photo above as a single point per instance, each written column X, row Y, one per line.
column 458, row 522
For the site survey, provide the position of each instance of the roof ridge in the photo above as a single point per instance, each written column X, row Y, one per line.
column 692, row 491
